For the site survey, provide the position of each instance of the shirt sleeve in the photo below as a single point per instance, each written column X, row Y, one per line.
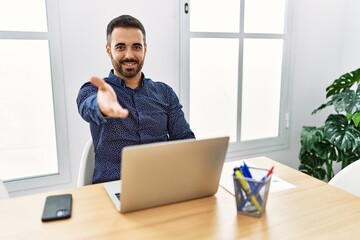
column 88, row 107
column 178, row 127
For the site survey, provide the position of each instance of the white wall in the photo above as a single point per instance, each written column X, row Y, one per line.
column 351, row 46
column 325, row 43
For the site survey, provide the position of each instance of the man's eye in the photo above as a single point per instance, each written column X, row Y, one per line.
column 137, row 47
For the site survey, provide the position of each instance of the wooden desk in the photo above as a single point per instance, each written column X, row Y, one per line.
column 312, row 210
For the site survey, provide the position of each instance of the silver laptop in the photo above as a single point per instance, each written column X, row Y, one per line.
column 168, row 172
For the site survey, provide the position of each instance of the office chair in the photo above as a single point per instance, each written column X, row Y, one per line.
column 87, row 165
column 348, row 178
column 3, row 192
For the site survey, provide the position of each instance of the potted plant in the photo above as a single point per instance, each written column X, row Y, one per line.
column 338, row 140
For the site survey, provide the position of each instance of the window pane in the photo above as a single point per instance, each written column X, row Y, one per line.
column 214, row 16
column 261, row 88
column 213, row 87
column 264, row 16
column 23, row 15
column 27, row 126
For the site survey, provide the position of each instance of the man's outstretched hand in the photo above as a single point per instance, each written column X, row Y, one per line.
column 107, row 99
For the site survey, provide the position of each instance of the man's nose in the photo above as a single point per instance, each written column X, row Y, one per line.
column 128, row 53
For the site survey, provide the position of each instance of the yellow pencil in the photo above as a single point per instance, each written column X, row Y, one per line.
column 247, row 189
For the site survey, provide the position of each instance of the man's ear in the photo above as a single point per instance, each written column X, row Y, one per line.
column 108, row 50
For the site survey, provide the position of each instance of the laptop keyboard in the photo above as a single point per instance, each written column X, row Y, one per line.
column 117, row 195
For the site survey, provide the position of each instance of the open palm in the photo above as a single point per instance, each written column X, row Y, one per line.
column 107, row 100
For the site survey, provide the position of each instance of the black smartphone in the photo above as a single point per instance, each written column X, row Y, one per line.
column 57, row 207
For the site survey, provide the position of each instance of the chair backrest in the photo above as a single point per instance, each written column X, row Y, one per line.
column 348, row 178
column 87, row 165
column 3, row 192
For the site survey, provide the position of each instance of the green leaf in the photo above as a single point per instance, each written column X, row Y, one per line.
column 312, row 165
column 349, row 116
column 340, row 133
column 310, row 136
column 325, row 150
column 344, row 82
column 347, row 101
column 329, row 103
column 356, row 118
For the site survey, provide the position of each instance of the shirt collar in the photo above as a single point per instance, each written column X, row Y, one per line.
column 119, row 81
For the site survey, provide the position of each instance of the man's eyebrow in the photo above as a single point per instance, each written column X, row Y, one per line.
column 123, row 44
column 120, row 44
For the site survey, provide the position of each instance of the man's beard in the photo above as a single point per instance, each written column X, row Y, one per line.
column 127, row 73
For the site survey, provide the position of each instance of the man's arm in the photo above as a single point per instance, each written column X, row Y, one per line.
column 97, row 100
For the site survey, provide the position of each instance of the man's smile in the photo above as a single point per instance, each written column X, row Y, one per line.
column 129, row 63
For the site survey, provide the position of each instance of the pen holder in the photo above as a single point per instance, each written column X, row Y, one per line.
column 251, row 193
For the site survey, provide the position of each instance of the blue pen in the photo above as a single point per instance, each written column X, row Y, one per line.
column 255, row 187
column 246, row 171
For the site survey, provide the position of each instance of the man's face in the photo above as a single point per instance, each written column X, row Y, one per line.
column 127, row 52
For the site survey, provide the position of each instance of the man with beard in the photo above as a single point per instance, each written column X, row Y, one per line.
column 126, row 108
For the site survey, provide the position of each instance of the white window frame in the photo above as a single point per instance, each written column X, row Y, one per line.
column 53, row 36
column 251, row 147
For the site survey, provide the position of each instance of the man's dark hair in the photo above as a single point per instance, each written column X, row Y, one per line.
column 125, row 21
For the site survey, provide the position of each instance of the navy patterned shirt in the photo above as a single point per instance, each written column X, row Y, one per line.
column 155, row 115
